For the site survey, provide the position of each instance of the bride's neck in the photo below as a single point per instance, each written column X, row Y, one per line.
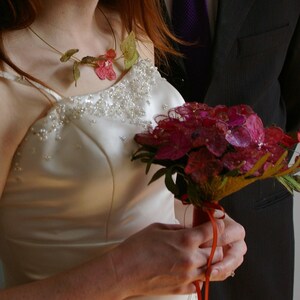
column 73, row 17
column 78, row 24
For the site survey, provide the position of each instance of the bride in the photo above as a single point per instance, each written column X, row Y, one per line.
column 78, row 219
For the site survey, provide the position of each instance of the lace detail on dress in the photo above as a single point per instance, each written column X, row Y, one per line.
column 124, row 101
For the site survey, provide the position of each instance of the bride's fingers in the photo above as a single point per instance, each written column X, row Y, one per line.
column 233, row 232
column 233, row 258
column 204, row 233
column 204, row 254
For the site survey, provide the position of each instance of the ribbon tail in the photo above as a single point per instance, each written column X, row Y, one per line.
column 198, row 289
column 208, row 211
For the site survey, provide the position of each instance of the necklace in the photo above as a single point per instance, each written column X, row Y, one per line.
column 103, row 64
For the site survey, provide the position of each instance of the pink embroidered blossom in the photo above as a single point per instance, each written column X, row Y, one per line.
column 105, row 70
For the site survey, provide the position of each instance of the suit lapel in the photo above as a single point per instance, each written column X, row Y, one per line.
column 231, row 14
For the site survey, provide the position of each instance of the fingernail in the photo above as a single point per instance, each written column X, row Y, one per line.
column 214, row 273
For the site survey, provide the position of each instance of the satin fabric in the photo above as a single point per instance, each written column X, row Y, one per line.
column 73, row 192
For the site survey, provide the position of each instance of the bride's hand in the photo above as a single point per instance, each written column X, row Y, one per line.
column 163, row 259
column 234, row 248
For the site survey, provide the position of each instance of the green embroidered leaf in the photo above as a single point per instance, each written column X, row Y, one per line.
column 89, row 60
column 68, row 54
column 76, row 72
column 128, row 48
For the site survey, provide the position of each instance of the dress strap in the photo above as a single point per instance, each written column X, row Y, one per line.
column 24, row 81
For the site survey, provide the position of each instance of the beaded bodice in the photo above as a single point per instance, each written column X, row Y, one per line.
column 73, row 192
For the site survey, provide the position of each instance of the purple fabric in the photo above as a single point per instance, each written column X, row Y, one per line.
column 191, row 23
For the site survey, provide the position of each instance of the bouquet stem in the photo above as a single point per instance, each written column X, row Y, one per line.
column 200, row 216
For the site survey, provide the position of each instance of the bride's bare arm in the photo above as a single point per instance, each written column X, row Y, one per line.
column 161, row 259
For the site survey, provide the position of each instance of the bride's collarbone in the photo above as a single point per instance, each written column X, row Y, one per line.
column 62, row 80
column 60, row 77
column 44, row 64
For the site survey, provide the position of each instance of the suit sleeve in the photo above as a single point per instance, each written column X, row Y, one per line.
column 290, row 82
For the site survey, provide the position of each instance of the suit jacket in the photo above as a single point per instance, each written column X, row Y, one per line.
column 256, row 61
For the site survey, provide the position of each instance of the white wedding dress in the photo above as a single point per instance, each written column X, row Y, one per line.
column 73, row 192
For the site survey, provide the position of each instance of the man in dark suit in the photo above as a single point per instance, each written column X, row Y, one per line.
column 256, row 61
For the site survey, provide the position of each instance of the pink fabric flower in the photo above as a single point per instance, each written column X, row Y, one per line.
column 214, row 140
column 105, row 70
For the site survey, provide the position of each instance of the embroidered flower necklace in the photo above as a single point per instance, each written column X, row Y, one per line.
column 103, row 64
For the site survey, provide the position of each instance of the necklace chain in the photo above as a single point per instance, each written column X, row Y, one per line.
column 74, row 58
column 49, row 45
column 103, row 65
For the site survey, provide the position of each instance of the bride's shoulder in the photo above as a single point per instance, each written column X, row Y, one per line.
column 20, row 106
column 9, row 131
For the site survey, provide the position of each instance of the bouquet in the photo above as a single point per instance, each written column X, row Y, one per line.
column 215, row 151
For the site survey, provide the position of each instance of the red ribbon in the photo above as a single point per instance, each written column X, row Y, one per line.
column 209, row 208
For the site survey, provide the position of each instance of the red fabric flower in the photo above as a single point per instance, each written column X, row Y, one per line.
column 203, row 165
column 110, row 54
column 214, row 141
column 177, row 146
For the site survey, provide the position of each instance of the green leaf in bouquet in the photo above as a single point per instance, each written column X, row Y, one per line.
column 193, row 195
column 148, row 166
column 141, row 156
column 161, row 172
column 144, row 156
column 292, row 169
column 224, row 181
column 169, row 182
column 285, row 183
column 68, row 54
column 233, row 173
column 291, row 183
